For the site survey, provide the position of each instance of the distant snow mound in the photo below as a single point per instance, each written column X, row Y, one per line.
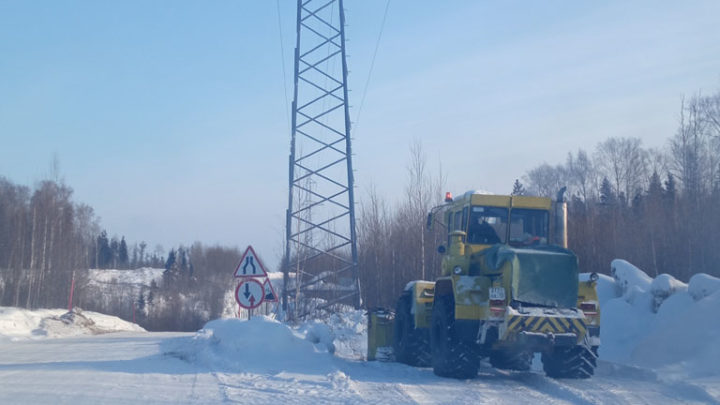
column 78, row 322
column 68, row 324
column 142, row 276
column 17, row 323
column 259, row 345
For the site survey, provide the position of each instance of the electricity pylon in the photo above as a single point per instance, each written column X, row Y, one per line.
column 320, row 264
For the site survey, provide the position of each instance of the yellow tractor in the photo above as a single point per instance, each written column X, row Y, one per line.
column 509, row 288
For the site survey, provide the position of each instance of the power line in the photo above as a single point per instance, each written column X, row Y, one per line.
column 372, row 65
column 282, row 59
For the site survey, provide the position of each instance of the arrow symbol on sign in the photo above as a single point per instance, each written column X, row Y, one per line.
column 247, row 292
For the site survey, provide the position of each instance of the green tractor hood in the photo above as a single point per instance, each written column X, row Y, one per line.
column 545, row 276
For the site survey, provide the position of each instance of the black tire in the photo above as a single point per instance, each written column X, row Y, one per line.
column 570, row 362
column 452, row 356
column 519, row 360
column 411, row 345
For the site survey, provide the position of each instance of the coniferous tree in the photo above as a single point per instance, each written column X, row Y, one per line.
column 123, row 260
column 142, row 261
column 104, row 252
column 607, row 195
column 170, row 263
column 518, row 188
column 115, row 249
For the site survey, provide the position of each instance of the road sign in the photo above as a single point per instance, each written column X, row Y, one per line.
column 250, row 265
column 249, row 293
column 270, row 295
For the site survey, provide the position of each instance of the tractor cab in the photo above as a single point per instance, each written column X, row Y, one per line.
column 479, row 221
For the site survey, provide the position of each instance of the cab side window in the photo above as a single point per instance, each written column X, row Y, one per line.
column 464, row 219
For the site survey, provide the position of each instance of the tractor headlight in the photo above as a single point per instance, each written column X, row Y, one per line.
column 457, row 270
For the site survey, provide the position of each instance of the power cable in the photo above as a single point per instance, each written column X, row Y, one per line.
column 282, row 59
column 372, row 65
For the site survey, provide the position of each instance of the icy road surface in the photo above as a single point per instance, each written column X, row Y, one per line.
column 133, row 367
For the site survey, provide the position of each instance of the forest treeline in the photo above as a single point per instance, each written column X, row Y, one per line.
column 657, row 208
column 47, row 240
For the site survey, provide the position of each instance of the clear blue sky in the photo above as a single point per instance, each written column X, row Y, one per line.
column 170, row 117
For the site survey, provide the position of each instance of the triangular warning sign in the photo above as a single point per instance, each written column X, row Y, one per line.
column 250, row 265
column 270, row 295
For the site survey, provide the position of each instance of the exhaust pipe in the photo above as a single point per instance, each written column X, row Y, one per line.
column 560, row 215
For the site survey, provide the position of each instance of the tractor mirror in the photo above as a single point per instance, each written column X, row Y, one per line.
column 441, row 249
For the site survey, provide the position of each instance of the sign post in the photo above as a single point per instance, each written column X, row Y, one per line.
column 255, row 286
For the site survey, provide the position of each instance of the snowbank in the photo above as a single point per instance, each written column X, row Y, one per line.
column 701, row 285
column 660, row 323
column 684, row 338
column 344, row 334
column 259, row 345
column 629, row 279
column 17, row 323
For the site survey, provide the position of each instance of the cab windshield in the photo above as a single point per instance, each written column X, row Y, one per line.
column 488, row 225
column 528, row 227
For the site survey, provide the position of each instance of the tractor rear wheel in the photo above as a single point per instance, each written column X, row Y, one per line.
column 570, row 362
column 452, row 356
column 411, row 345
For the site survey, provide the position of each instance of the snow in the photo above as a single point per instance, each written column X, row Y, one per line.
column 652, row 352
column 662, row 323
column 665, row 285
column 227, row 362
column 18, row 324
column 260, row 345
column 142, row 276
column 630, row 279
column 684, row 339
column 471, row 192
column 701, row 285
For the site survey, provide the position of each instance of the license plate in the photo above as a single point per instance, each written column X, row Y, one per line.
column 497, row 293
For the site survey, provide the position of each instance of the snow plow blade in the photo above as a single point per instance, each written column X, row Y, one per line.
column 380, row 335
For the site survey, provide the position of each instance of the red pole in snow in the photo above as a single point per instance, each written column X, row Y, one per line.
column 134, row 312
column 72, row 289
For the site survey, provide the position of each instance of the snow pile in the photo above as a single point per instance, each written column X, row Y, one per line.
column 259, row 345
column 701, row 285
column 17, row 323
column 629, row 279
column 660, row 323
column 344, row 334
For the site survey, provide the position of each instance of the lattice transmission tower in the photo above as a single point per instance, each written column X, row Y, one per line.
column 320, row 268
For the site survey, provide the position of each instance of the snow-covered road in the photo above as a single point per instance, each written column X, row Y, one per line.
column 137, row 367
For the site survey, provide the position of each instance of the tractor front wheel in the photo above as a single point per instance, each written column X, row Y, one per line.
column 452, row 356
